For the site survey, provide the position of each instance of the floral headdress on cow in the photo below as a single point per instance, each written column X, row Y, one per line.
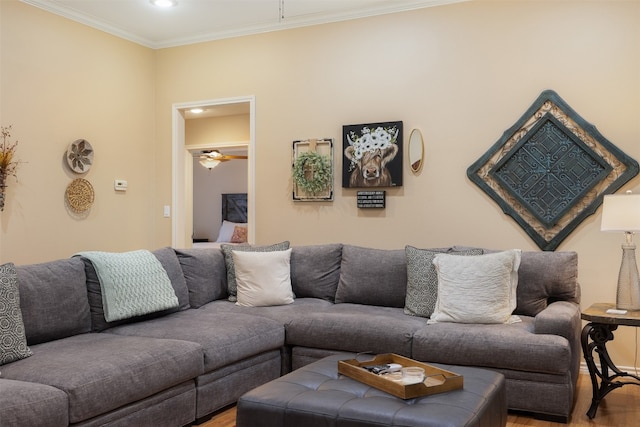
column 379, row 138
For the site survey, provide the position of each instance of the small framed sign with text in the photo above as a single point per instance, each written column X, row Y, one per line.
column 371, row 199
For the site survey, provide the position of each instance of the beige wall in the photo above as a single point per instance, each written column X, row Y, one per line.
column 461, row 73
column 61, row 81
column 217, row 130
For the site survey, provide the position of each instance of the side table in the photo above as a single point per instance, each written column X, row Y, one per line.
column 595, row 335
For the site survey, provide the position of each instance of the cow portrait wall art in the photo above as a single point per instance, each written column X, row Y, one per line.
column 372, row 155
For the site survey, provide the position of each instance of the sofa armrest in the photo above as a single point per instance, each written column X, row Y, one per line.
column 559, row 318
column 563, row 318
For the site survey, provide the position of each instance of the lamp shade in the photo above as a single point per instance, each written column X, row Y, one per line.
column 621, row 213
column 209, row 163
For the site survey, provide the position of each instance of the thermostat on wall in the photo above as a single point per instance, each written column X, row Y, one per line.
column 120, row 185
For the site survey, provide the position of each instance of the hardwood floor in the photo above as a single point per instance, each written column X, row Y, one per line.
column 621, row 408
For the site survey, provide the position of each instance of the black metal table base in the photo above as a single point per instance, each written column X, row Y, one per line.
column 600, row 333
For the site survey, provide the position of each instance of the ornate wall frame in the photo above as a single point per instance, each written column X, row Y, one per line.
column 551, row 170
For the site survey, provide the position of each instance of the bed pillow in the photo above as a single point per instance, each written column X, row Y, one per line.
column 226, row 230
column 13, row 345
column 239, row 235
column 263, row 278
column 477, row 289
column 422, row 279
column 228, row 261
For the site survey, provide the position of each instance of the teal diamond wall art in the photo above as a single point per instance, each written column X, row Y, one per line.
column 551, row 170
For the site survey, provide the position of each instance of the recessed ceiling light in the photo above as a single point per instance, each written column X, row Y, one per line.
column 164, row 3
column 196, row 110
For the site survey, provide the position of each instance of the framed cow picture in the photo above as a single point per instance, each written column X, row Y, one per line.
column 372, row 155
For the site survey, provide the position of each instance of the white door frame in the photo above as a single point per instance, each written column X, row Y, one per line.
column 182, row 171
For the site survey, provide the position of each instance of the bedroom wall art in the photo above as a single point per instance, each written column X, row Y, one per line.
column 312, row 170
column 234, row 207
column 551, row 170
column 372, row 155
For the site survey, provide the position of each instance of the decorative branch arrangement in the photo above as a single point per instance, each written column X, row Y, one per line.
column 8, row 166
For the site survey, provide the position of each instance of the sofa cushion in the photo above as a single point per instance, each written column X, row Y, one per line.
column 205, row 274
column 356, row 328
column 422, row 279
column 224, row 337
column 29, row 404
column 169, row 261
column 545, row 277
column 372, row 277
column 102, row 372
column 232, row 287
column 283, row 314
column 53, row 299
column 477, row 289
column 263, row 278
column 13, row 342
column 512, row 346
column 315, row 271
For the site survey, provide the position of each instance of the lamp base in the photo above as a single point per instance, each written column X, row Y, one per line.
column 628, row 293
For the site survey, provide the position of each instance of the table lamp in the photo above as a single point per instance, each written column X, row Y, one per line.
column 621, row 213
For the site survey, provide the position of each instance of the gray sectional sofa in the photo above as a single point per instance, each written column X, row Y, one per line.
column 178, row 366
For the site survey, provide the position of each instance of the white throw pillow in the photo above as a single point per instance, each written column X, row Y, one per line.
column 477, row 289
column 263, row 278
column 226, row 230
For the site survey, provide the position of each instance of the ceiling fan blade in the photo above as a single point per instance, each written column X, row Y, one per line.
column 229, row 156
column 216, row 155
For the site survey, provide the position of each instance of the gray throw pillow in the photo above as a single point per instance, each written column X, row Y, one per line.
column 315, row 270
column 227, row 250
column 205, row 274
column 13, row 345
column 422, row 279
column 372, row 277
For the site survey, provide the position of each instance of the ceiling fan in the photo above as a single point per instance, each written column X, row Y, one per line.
column 212, row 158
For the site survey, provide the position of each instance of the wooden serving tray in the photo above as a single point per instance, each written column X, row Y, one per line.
column 436, row 380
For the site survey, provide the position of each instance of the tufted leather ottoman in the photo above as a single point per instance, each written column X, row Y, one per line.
column 316, row 395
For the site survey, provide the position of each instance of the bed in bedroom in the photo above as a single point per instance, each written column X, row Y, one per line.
column 234, row 222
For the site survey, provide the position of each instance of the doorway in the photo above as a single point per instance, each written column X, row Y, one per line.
column 182, row 169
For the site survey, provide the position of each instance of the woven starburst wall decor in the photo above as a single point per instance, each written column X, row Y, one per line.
column 551, row 170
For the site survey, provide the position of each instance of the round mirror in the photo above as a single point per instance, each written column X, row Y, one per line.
column 416, row 151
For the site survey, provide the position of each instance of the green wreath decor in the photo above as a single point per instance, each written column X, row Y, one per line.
column 312, row 172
